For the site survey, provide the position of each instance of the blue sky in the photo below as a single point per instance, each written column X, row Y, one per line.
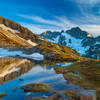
column 42, row 15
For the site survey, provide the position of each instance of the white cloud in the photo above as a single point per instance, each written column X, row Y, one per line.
column 93, row 29
column 88, row 19
column 93, row 2
column 66, row 24
column 62, row 23
column 41, row 20
column 38, row 29
column 35, row 29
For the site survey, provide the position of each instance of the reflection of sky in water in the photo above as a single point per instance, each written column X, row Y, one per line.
column 6, row 53
column 37, row 74
column 62, row 65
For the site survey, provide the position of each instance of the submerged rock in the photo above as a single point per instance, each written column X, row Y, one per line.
column 35, row 56
column 15, row 88
column 89, row 97
column 36, row 87
column 3, row 95
column 21, row 79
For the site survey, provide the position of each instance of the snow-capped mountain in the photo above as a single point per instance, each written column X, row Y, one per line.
column 13, row 35
column 77, row 39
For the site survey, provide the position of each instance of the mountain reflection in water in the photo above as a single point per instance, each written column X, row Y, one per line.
column 16, row 72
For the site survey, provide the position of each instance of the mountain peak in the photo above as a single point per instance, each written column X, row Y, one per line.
column 77, row 33
column 76, row 28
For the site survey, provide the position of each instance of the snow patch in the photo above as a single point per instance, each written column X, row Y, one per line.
column 97, row 42
column 34, row 56
column 55, row 40
column 32, row 43
column 75, row 43
column 71, row 42
column 65, row 64
column 7, row 29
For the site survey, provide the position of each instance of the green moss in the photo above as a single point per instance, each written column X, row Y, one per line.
column 59, row 70
column 89, row 74
column 37, row 87
column 3, row 95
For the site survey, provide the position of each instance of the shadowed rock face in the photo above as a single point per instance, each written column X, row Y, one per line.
column 13, row 34
column 77, row 39
column 11, row 68
column 24, row 32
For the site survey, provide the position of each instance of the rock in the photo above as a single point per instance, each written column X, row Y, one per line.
column 29, row 94
column 21, row 79
column 3, row 95
column 15, row 88
column 89, row 97
column 36, row 87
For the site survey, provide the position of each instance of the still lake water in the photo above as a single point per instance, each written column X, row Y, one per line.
column 38, row 73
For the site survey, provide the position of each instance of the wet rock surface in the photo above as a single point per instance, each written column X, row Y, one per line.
column 36, row 87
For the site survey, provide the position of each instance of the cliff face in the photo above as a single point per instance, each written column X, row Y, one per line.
column 23, row 36
column 19, row 30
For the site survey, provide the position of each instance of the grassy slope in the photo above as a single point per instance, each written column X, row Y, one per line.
column 85, row 73
column 12, row 39
column 51, row 50
column 56, row 51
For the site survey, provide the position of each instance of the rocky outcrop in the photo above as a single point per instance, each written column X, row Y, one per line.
column 77, row 39
column 24, row 32
column 36, row 87
column 77, row 33
column 21, row 32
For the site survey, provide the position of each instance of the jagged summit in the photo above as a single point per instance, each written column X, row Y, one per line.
column 77, row 39
column 98, row 38
column 78, row 33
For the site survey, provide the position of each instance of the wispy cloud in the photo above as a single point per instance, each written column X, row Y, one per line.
column 88, row 19
column 35, row 29
column 88, row 1
column 93, row 29
column 62, row 23
column 38, row 29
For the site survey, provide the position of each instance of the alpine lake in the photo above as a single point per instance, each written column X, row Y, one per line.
column 26, row 78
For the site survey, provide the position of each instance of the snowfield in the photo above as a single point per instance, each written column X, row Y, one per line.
column 32, row 43
column 7, row 29
column 34, row 56
column 72, row 42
